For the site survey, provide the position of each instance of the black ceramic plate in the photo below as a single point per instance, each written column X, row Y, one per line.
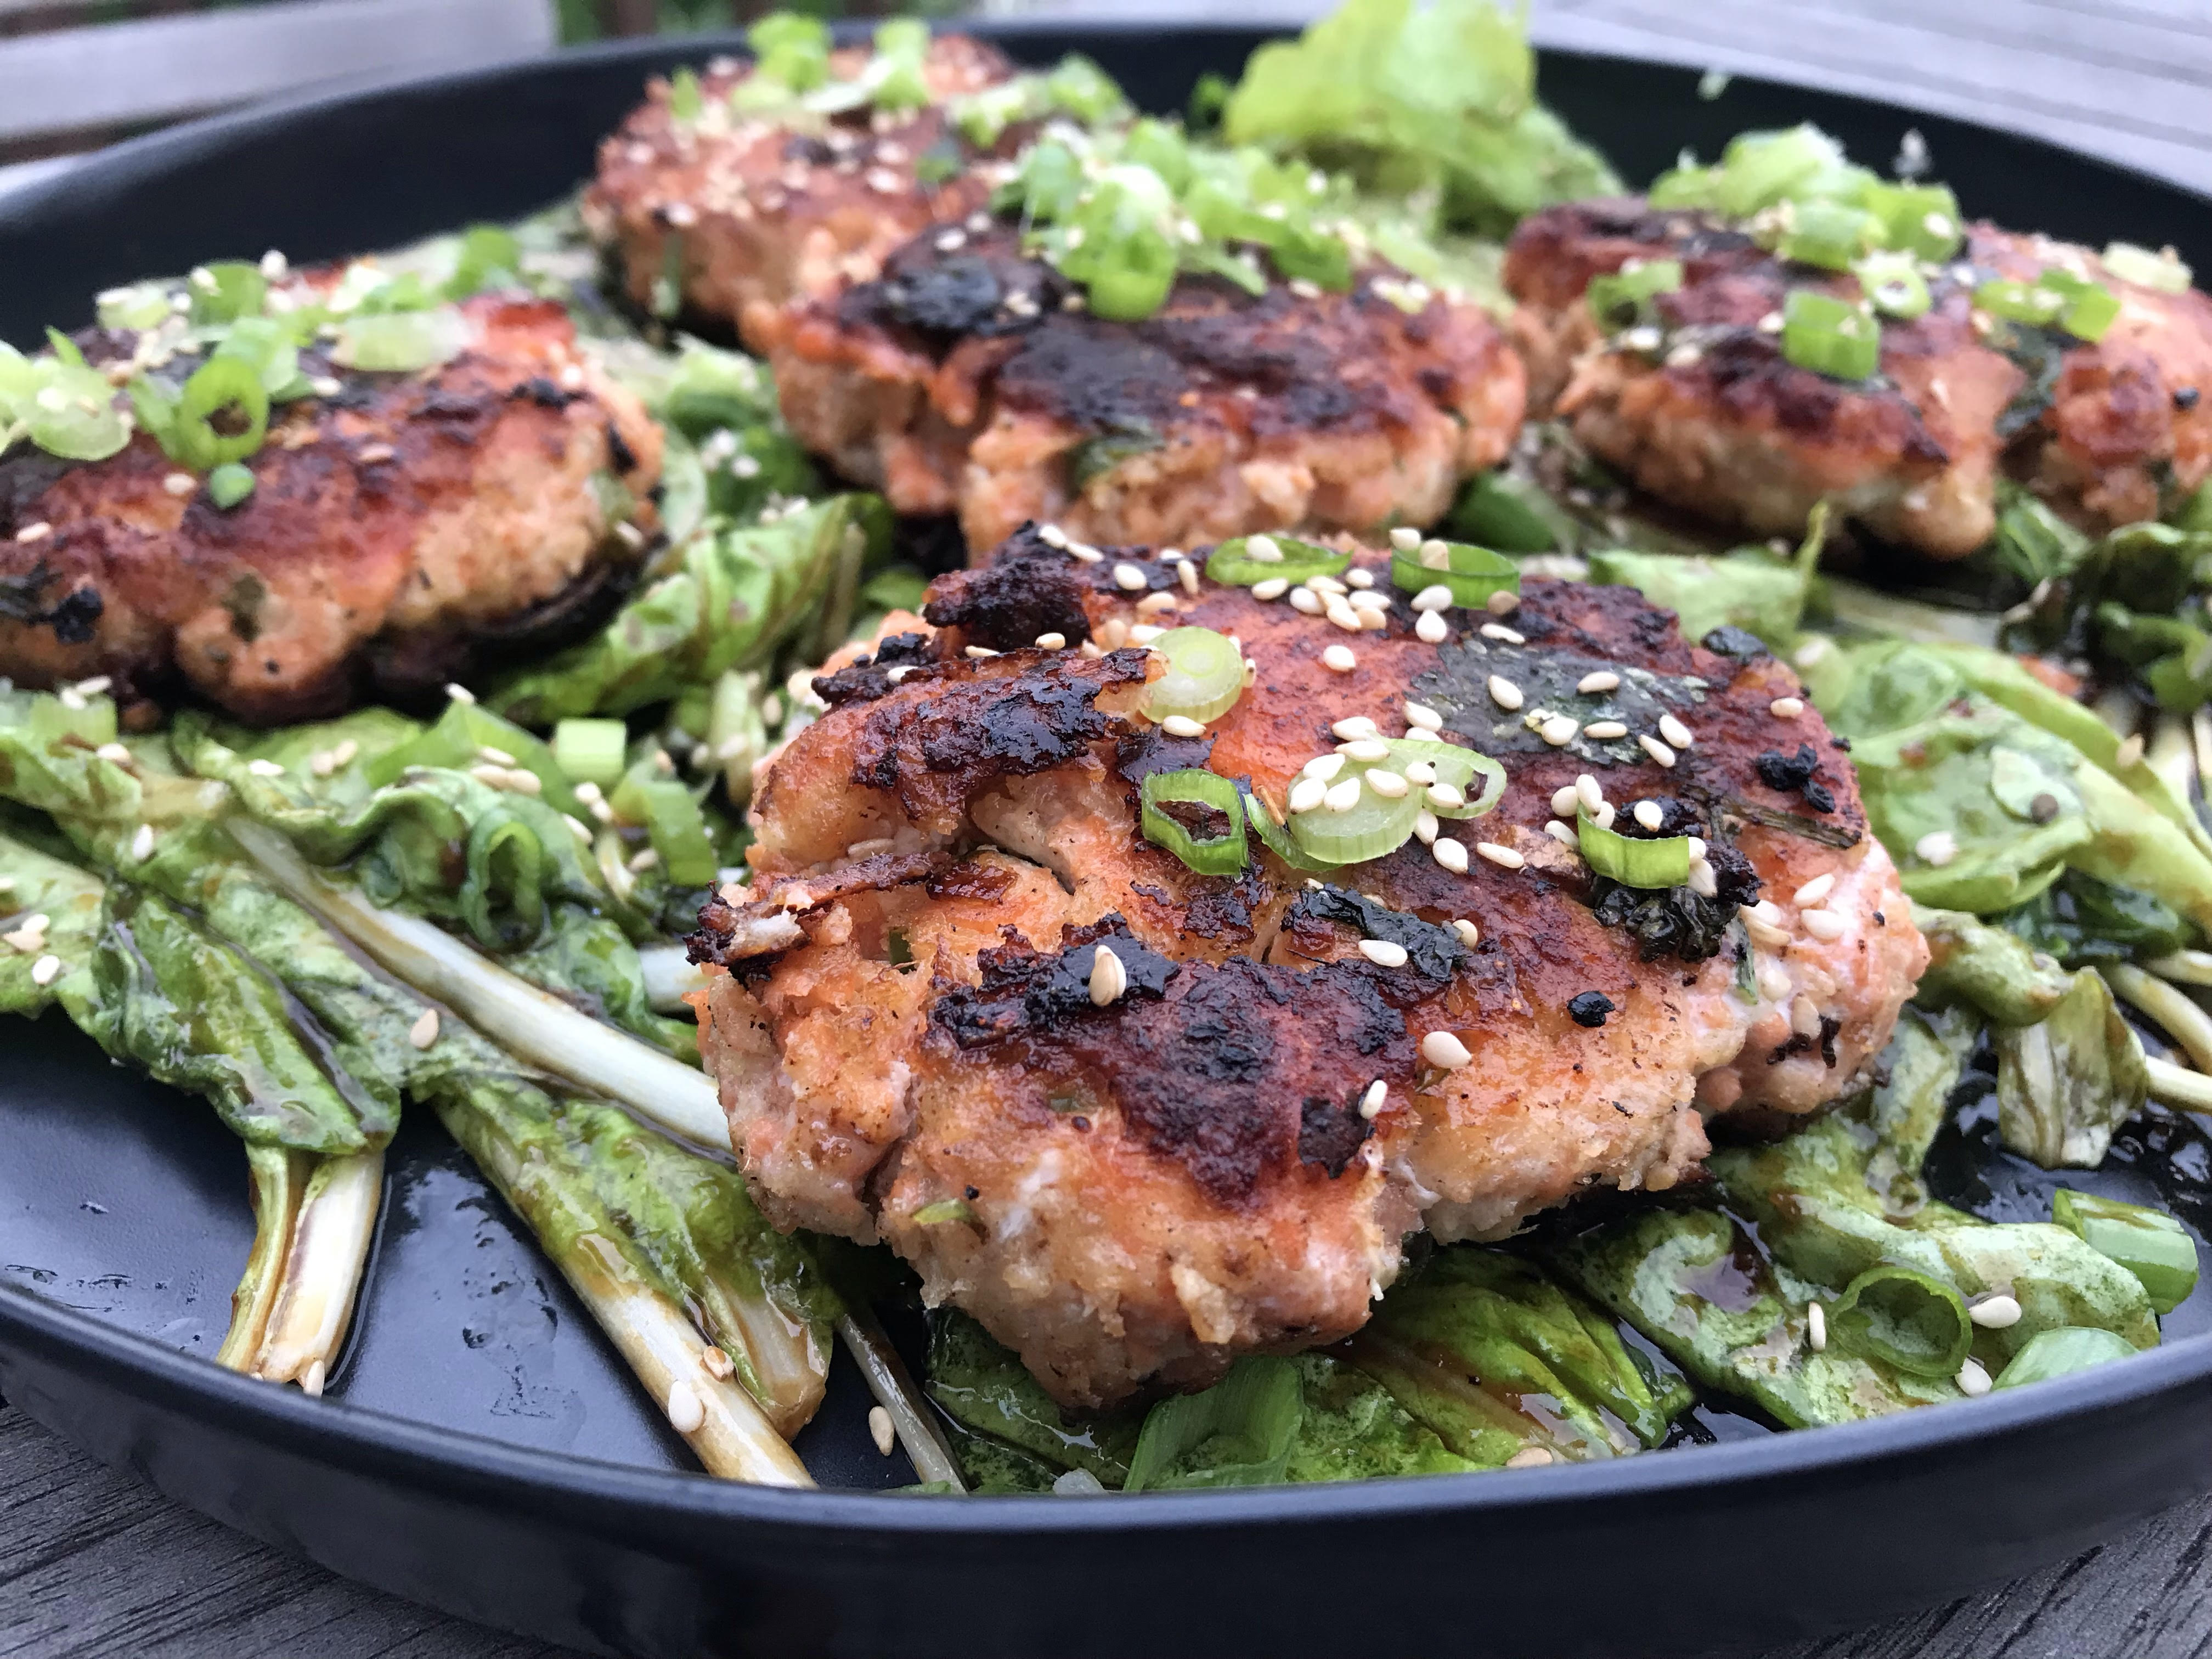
column 482, row 1450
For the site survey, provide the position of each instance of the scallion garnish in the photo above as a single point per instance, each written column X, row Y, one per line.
column 225, row 291
column 1372, row 826
column 1829, row 234
column 684, row 100
column 1919, row 219
column 1830, row 335
column 1907, row 1319
column 589, row 750
column 2087, row 308
column 2057, row 1353
column 1892, row 282
column 2018, row 301
column 1663, row 861
column 1470, row 574
column 1457, row 768
column 1205, row 677
column 64, row 406
column 2163, row 272
column 1625, row 296
column 229, row 485
column 1216, row 855
column 1233, row 565
column 400, row 341
column 228, row 389
column 672, row 820
column 1276, row 838
column 2150, row 1243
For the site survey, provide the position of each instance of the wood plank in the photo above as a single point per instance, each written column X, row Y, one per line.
column 159, row 68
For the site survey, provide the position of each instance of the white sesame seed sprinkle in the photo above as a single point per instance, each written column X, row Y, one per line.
column 1813, row 891
column 1448, row 796
column 1425, row 827
column 1262, row 549
column 1052, row 640
column 460, row 693
column 1366, row 750
column 1676, row 733
column 1109, row 977
column 424, row 1031
column 1306, row 600
column 1937, row 847
column 142, row 843
column 1360, row 578
column 1420, row 771
column 1650, row 814
column 1343, row 616
column 180, row 483
column 1391, row 785
column 1658, row 750
column 97, row 686
column 1420, row 714
column 1505, row 693
column 1470, row 934
column 1504, row 856
column 1605, row 731
column 1339, row 659
column 1187, row 574
column 1973, row 1381
column 1816, row 1327
column 1561, row 833
column 1436, row 597
column 1152, row 604
column 1053, row 536
column 1382, row 952
column 1500, row 631
column 34, row 533
column 1085, row 553
column 1306, row 794
column 1342, row 797
column 1786, row 708
column 1274, row 588
column 1431, row 629
column 1703, row 880
column 1559, row 731
column 1564, row 801
column 113, row 752
column 1129, row 579
column 1442, row 1049
column 1325, row 767
column 880, row 1430
column 1406, row 539
column 1823, row 925
column 1503, row 603
column 1994, row 1313
column 265, row 769
column 1599, row 680
column 1353, row 727
column 45, row 970
column 1182, row 726
column 1589, row 794
column 1371, row 1101
column 687, row 1412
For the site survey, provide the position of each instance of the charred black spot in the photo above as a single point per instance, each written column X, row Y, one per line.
column 77, row 617
column 1787, row 772
column 72, row 618
column 956, row 296
column 1007, row 604
column 1026, row 993
column 1736, row 643
column 243, row 600
column 1330, row 1133
column 2184, row 397
column 1589, row 1008
column 1801, row 1043
column 997, row 726
column 543, row 393
column 808, row 150
column 1819, row 798
column 623, row 458
column 1149, row 750
column 1434, row 951
column 869, row 677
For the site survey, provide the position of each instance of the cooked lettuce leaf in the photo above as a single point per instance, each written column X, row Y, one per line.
column 1437, row 96
column 986, row 1388
column 734, row 598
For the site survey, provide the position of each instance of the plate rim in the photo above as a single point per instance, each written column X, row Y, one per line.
column 430, row 1456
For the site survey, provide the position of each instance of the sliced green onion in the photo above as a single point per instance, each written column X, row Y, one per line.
column 2057, row 1352
column 1374, row 826
column 1623, row 296
column 673, row 821
column 1216, row 856
column 683, row 101
column 2163, row 271
column 1829, row 234
column 590, row 752
column 944, row 1210
column 1919, row 219
column 64, row 406
column 1205, row 677
column 2090, row 308
column 1456, row 767
column 1277, row 839
column 1894, row 284
column 1496, row 509
column 488, row 254
column 267, row 346
column 1830, row 335
column 2150, row 1243
column 230, row 387
column 229, row 485
column 142, row 305
column 401, row 341
column 2020, row 303
column 1664, row 862
column 1906, row 1319
column 227, row 290
column 1760, row 169
column 1232, row 565
column 1472, row 573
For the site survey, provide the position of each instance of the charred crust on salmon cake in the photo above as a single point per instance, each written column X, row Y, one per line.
column 1214, row 1067
column 1007, row 604
column 866, row 679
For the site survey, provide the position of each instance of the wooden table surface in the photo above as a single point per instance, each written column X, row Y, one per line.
column 93, row 1564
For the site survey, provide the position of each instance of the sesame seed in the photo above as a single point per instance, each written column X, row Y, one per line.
column 1053, row 536
column 1352, row 727
column 1306, row 794
column 1305, row 599
column 1805, row 1017
column 1425, row 827
column 1560, row 833
column 1603, row 679
column 1816, row 1327
column 180, row 483
column 460, row 693
column 644, row 859
column 1325, row 767
column 1442, row 1049
column 1391, row 785
column 1658, row 750
column 1371, row 1101
column 1504, row 856
column 1588, row 793
column 1604, row 729
column 1786, row 708
column 1994, row 1313
column 1505, row 693
column 71, row 698
column 1564, row 801
column 1406, row 539
column 1503, row 603
column 1973, row 1381
column 717, row 1364
column 142, row 844
column 1603, row 816
column 1383, row 953
column 1470, row 934
column 1187, row 574
column 265, row 769
column 1342, row 797
column 869, row 847
column 1344, row 617
column 424, row 1031
column 1649, row 813
column 1129, row 579
column 45, row 970
column 1937, row 847
column 1675, row 732
column 1274, row 588
column 1085, row 553
column 1109, row 978
column 1362, row 579
column 2129, row 752
column 1339, row 659
column 34, row 533
column 1262, row 549
column 496, row 757
column 1766, row 911
column 1366, row 750
column 1448, row 796
column 1823, row 925
column 1814, row 891
column 1360, row 599
column 1500, row 631
column 1420, row 714
column 1436, row 597
column 687, row 1412
column 1429, row 628
column 1703, row 879
column 953, row 241
column 113, row 752
column 1558, row 729
column 1435, row 555
column 1052, row 641
column 1152, row 604
column 879, row 1430
column 1182, row 726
